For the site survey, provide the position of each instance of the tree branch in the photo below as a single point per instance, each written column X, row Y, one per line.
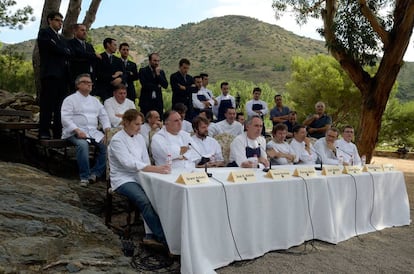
column 375, row 24
column 91, row 13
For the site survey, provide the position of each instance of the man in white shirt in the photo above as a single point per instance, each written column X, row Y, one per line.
column 209, row 93
column 172, row 142
column 80, row 115
column 224, row 101
column 117, row 105
column 346, row 148
column 201, row 99
column 257, row 106
column 210, row 149
column 301, row 145
column 229, row 125
column 151, row 126
column 326, row 147
column 249, row 148
column 278, row 150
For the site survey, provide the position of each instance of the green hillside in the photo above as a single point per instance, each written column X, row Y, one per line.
column 228, row 48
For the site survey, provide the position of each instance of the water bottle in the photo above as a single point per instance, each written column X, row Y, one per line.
column 255, row 161
column 341, row 160
column 168, row 161
column 363, row 159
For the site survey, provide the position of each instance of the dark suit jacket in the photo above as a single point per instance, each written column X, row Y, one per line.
column 104, row 71
column 182, row 96
column 82, row 60
column 54, row 54
column 130, row 75
column 149, row 83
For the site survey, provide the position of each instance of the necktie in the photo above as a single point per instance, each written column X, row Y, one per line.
column 110, row 59
column 84, row 45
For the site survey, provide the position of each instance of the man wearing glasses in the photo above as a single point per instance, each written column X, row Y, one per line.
column 54, row 72
column 346, row 148
column 81, row 113
column 326, row 148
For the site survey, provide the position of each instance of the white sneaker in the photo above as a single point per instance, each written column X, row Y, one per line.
column 92, row 178
column 84, row 183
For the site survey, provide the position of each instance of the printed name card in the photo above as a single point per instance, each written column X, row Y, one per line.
column 388, row 167
column 372, row 168
column 278, row 174
column 331, row 170
column 194, row 178
column 244, row 176
column 351, row 170
column 304, row 172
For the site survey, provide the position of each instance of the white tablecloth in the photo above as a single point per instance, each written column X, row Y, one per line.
column 269, row 215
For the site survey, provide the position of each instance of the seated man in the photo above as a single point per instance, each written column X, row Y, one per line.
column 174, row 143
column 249, row 148
column 279, row 114
column 326, row 147
column 117, row 105
column 182, row 110
column 80, row 115
column 240, row 118
column 277, row 149
column 151, row 126
column 291, row 123
column 229, row 125
column 318, row 123
column 347, row 149
column 209, row 148
column 301, row 145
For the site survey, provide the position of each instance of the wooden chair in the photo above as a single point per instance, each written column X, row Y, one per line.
column 225, row 139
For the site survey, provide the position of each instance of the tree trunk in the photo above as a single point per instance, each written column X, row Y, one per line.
column 91, row 13
column 48, row 7
column 71, row 18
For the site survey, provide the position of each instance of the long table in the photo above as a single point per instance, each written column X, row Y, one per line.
column 213, row 224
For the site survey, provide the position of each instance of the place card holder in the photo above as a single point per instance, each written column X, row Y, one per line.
column 242, row 176
column 331, row 170
column 372, row 168
column 305, row 172
column 194, row 178
column 351, row 170
column 278, row 174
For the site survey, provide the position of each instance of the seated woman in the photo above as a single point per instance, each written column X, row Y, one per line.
column 127, row 157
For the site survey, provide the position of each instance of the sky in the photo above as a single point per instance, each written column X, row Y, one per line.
column 171, row 14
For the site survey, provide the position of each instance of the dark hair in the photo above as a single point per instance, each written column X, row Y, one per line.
column 168, row 113
column 277, row 95
column 296, row 129
column 54, row 14
column 223, row 84
column 257, row 89
column 347, row 126
column 179, row 107
column 124, row 44
column 119, row 86
column 198, row 120
column 151, row 54
column 184, row 61
column 197, row 77
column 231, row 107
column 107, row 41
column 279, row 127
column 239, row 114
column 76, row 26
column 203, row 74
column 208, row 112
column 130, row 115
column 293, row 112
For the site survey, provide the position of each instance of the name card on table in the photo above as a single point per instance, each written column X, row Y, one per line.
column 388, row 167
column 372, row 168
column 351, row 170
column 245, row 176
column 304, row 172
column 278, row 174
column 193, row 178
column 331, row 170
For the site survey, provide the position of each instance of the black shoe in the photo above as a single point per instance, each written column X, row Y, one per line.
column 44, row 137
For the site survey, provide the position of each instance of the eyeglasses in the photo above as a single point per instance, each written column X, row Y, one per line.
column 86, row 82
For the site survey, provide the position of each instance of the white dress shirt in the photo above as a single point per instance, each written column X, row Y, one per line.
column 187, row 126
column 83, row 112
column 127, row 156
column 219, row 99
column 164, row 144
column 326, row 155
column 239, row 144
column 112, row 107
column 251, row 112
column 234, row 129
column 283, row 148
column 302, row 156
column 209, row 147
column 349, row 151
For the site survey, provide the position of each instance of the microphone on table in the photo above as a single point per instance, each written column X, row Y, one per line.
column 266, row 169
column 349, row 154
column 204, row 160
column 320, row 159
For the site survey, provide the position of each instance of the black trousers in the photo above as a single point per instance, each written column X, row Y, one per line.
column 53, row 91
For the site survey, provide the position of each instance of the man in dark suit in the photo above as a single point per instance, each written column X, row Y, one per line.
column 109, row 70
column 152, row 79
column 54, row 55
column 84, row 58
column 183, row 86
column 130, row 71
